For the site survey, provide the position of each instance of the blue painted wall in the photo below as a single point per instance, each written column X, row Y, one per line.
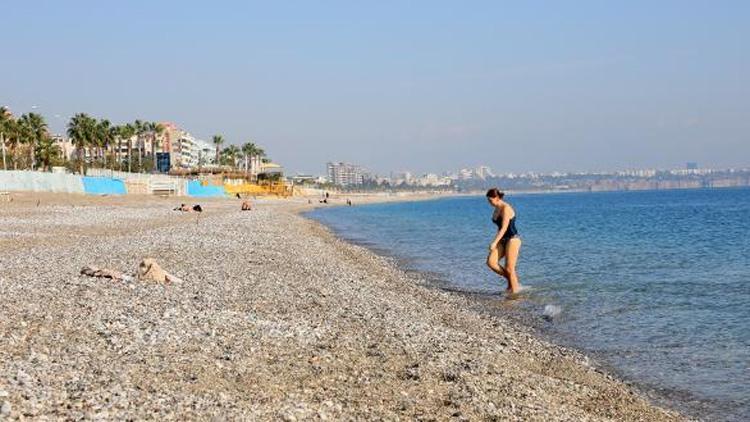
column 194, row 188
column 103, row 186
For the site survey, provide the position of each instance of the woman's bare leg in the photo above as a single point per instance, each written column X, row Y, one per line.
column 513, row 247
column 493, row 261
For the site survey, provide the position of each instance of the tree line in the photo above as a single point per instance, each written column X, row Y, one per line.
column 26, row 143
column 244, row 157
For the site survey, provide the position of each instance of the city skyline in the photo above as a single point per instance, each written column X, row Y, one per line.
column 425, row 86
column 484, row 172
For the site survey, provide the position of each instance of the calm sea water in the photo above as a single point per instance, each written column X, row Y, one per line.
column 655, row 284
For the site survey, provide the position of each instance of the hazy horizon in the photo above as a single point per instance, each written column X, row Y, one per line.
column 424, row 86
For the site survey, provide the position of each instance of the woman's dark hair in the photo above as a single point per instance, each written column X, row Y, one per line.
column 495, row 193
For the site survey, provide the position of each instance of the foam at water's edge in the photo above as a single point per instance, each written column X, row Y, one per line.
column 551, row 312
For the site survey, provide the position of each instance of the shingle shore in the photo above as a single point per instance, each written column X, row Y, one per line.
column 275, row 319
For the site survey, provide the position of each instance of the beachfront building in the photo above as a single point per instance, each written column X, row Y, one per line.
column 643, row 173
column 205, row 153
column 402, row 178
column 480, row 172
column 141, row 147
column 465, row 174
column 302, row 179
column 186, row 151
column 345, row 174
column 67, row 149
column 269, row 168
column 483, row 172
column 431, row 179
column 179, row 144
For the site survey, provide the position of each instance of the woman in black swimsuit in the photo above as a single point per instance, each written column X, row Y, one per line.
column 506, row 243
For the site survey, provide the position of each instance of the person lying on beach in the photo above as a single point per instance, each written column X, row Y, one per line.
column 182, row 208
column 506, row 243
column 246, row 206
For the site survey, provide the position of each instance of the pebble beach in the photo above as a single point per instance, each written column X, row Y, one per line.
column 274, row 319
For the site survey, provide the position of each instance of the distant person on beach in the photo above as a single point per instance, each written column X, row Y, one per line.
column 246, row 206
column 507, row 242
column 185, row 208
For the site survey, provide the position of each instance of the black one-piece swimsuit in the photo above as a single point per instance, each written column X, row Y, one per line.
column 510, row 233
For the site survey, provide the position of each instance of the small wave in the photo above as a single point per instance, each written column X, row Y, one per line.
column 551, row 312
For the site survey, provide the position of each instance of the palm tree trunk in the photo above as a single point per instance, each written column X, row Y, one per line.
column 32, row 156
column 130, row 154
column 80, row 159
column 2, row 140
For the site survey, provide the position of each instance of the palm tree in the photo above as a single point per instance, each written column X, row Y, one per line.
column 156, row 129
column 230, row 154
column 14, row 137
column 248, row 150
column 140, row 130
column 251, row 153
column 127, row 131
column 218, row 140
column 103, row 139
column 6, row 127
column 260, row 155
column 113, row 134
column 25, row 135
column 35, row 129
column 81, row 129
column 47, row 152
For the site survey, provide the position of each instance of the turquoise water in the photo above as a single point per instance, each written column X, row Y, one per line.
column 656, row 284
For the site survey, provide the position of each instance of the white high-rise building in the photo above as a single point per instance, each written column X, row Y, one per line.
column 465, row 174
column 345, row 174
column 204, row 153
column 483, row 172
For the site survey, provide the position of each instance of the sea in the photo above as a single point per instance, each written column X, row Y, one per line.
column 653, row 285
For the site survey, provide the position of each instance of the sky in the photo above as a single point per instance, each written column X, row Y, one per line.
column 398, row 85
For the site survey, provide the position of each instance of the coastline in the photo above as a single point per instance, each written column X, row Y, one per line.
column 276, row 317
column 530, row 317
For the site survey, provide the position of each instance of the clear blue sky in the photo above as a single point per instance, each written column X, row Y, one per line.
column 426, row 86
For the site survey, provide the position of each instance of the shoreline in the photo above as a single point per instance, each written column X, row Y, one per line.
column 276, row 318
column 487, row 303
column 478, row 301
